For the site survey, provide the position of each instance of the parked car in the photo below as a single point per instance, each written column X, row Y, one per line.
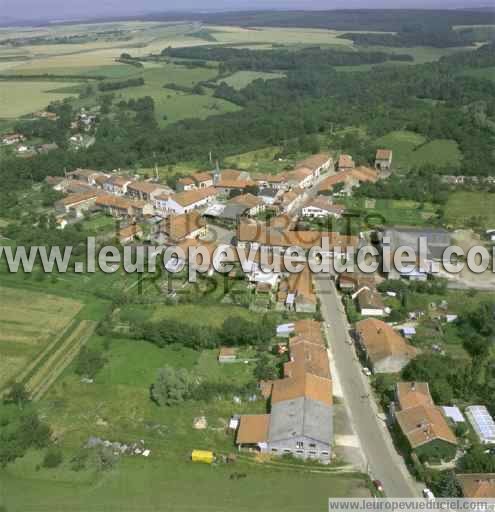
column 428, row 494
column 367, row 371
column 378, row 485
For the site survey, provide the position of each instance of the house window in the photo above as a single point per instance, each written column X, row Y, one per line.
column 312, row 452
column 300, row 444
column 286, row 450
column 274, row 450
column 324, row 453
column 312, row 445
column 299, row 451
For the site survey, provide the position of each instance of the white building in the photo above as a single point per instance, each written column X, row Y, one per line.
column 184, row 202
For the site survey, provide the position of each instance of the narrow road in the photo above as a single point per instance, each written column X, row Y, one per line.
column 384, row 463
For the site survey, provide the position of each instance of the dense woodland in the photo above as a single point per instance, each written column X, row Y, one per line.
column 234, row 59
column 382, row 20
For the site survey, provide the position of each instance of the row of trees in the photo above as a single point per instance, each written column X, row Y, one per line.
column 173, row 386
column 235, row 331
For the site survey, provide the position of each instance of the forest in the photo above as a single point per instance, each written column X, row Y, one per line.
column 382, row 20
column 235, row 59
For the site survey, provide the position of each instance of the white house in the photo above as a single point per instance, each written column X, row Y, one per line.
column 318, row 163
column 117, row 185
column 184, row 202
column 320, row 207
column 370, row 302
column 383, row 159
column 301, row 177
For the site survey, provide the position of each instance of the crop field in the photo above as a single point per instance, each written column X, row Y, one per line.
column 29, row 320
column 412, row 149
column 20, row 98
column 279, row 36
column 241, row 79
column 466, row 209
column 117, row 407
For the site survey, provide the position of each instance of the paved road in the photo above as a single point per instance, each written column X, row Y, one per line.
column 383, row 461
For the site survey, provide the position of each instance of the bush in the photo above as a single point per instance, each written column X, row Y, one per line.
column 89, row 362
column 52, row 459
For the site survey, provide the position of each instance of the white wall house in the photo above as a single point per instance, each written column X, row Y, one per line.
column 184, row 202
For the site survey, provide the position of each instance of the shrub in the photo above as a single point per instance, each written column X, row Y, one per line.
column 52, row 459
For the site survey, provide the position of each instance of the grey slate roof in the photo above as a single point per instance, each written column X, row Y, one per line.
column 437, row 239
column 301, row 417
column 233, row 211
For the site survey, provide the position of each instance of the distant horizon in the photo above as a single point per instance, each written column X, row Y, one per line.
column 22, row 12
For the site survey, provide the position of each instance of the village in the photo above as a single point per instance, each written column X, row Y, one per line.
column 299, row 206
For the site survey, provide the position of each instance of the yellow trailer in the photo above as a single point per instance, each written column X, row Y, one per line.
column 204, row 456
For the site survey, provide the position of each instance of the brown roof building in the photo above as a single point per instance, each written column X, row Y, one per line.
column 477, row 485
column 345, row 162
column 412, row 394
column 307, row 386
column 178, row 227
column 385, row 349
column 300, row 421
column 423, row 424
column 309, row 330
column 253, row 429
column 318, row 162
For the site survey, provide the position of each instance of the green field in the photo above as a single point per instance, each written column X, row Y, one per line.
column 117, row 407
column 412, row 149
column 488, row 73
column 421, row 54
column 177, row 105
column 393, row 212
column 241, row 79
column 212, row 315
column 466, row 209
column 20, row 98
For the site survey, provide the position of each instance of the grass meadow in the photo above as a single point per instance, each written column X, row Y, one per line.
column 241, row 79
column 466, row 209
column 117, row 407
column 20, row 98
column 412, row 149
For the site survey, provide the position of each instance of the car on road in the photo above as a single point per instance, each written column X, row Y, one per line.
column 378, row 485
column 367, row 371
